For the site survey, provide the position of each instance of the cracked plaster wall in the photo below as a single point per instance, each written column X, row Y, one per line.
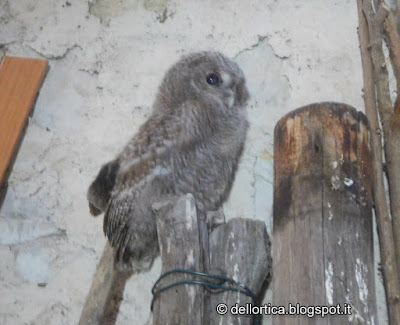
column 106, row 60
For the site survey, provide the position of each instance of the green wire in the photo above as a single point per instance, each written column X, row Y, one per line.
column 245, row 290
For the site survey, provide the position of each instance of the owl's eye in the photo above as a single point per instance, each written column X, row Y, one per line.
column 213, row 79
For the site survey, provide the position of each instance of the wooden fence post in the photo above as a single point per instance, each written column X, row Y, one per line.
column 322, row 234
column 239, row 249
column 178, row 236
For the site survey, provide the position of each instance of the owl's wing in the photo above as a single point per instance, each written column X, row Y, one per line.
column 176, row 129
column 144, row 157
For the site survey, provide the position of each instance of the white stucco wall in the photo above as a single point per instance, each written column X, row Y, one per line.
column 107, row 58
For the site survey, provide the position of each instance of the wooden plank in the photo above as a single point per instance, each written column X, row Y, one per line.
column 20, row 81
column 105, row 295
column 322, row 251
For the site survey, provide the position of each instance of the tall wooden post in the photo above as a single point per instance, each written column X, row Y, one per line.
column 322, row 234
column 178, row 235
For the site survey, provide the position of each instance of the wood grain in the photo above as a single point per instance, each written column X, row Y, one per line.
column 322, row 236
column 20, row 81
column 105, row 295
column 180, row 248
column 239, row 249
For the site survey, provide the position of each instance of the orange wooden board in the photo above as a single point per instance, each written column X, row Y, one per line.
column 20, row 81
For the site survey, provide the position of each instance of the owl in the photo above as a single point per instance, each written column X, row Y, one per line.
column 191, row 143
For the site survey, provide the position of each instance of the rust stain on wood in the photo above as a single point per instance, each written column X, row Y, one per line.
column 322, row 210
column 20, row 81
column 309, row 137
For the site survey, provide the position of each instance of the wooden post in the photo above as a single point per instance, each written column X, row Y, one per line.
column 178, row 235
column 239, row 249
column 105, row 295
column 323, row 243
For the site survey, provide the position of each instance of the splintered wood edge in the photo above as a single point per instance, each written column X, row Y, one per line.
column 103, row 300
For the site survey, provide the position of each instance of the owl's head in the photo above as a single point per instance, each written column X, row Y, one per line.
column 208, row 77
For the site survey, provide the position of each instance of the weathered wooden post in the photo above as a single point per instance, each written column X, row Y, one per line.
column 322, row 234
column 105, row 295
column 242, row 250
column 178, row 236
column 239, row 249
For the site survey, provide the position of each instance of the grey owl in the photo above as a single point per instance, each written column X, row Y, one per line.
column 191, row 143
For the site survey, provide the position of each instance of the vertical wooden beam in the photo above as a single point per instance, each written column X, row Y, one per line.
column 376, row 99
column 323, row 245
column 178, row 236
column 20, row 81
column 239, row 249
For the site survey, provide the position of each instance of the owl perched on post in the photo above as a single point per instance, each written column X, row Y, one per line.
column 191, row 143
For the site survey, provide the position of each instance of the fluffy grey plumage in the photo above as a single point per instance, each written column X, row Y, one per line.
column 191, row 143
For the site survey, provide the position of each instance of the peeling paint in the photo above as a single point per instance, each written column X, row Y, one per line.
column 235, row 272
column 330, row 213
column 348, row 182
column 190, row 258
column 335, row 182
column 329, row 283
column 361, row 273
column 190, row 211
column 168, row 246
column 106, row 9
